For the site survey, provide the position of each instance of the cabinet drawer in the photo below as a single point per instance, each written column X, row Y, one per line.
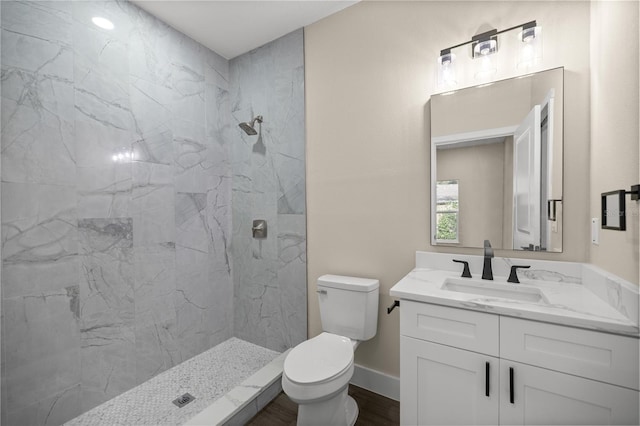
column 474, row 331
column 600, row 356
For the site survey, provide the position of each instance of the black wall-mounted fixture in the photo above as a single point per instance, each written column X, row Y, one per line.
column 552, row 209
column 613, row 207
column 396, row 303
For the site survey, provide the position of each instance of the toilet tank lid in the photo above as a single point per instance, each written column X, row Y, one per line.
column 348, row 283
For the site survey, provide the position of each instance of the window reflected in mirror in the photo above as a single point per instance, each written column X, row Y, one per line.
column 447, row 210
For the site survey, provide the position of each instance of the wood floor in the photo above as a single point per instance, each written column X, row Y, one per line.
column 374, row 410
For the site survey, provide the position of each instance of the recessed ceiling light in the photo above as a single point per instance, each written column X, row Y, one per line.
column 102, row 22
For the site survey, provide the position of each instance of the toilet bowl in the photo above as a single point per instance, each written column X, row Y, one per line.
column 317, row 372
column 316, row 376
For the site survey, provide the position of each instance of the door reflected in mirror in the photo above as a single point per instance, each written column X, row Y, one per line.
column 496, row 164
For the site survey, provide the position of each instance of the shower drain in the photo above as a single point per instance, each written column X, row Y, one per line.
column 183, row 400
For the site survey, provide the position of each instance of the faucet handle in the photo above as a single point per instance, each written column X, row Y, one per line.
column 466, row 273
column 513, row 276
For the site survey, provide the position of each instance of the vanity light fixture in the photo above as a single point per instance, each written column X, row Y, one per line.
column 484, row 44
column 484, row 48
column 486, row 67
column 530, row 52
column 447, row 69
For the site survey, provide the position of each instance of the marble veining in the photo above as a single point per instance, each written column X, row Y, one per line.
column 618, row 293
column 566, row 272
column 570, row 299
column 116, row 204
column 45, row 374
column 37, row 127
column 39, row 238
column 123, row 253
column 107, row 309
column 268, row 183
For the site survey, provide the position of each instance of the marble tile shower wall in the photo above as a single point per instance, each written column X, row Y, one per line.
column 113, row 270
column 270, row 283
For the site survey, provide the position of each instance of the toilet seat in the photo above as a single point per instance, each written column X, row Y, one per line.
column 319, row 359
column 318, row 368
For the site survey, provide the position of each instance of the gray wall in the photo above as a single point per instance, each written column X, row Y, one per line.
column 270, row 290
column 113, row 271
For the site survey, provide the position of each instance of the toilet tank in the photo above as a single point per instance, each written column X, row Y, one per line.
column 349, row 306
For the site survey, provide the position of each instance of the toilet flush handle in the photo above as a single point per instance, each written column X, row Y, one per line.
column 321, row 291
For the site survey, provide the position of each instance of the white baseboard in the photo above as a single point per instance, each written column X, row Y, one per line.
column 375, row 381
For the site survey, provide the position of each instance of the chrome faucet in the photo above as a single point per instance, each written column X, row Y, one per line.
column 487, row 273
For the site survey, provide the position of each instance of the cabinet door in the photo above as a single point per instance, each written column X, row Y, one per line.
column 544, row 397
column 441, row 385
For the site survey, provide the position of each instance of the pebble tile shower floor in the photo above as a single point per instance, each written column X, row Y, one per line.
column 207, row 377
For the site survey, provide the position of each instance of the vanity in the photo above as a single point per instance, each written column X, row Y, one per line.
column 561, row 347
column 477, row 347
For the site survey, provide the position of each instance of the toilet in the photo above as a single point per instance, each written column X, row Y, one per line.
column 317, row 372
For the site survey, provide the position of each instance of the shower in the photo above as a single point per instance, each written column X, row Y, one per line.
column 248, row 127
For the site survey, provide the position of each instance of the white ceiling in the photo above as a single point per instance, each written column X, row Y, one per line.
column 233, row 27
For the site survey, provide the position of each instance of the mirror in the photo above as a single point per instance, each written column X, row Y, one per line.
column 496, row 164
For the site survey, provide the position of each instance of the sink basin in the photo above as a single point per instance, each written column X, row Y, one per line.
column 492, row 289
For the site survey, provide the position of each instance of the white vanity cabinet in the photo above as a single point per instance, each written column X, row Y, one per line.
column 465, row 367
column 546, row 397
column 442, row 385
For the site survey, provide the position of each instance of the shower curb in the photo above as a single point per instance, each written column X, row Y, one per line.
column 245, row 400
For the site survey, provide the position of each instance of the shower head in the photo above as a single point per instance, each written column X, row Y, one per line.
column 248, row 127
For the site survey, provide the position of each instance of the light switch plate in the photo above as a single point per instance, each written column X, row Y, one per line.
column 595, row 230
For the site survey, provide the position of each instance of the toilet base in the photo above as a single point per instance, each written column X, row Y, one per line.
column 340, row 410
column 352, row 411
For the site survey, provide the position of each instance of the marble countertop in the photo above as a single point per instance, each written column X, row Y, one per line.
column 566, row 303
